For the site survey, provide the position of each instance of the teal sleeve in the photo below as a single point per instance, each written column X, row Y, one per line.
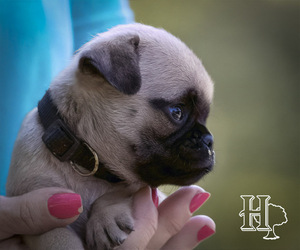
column 37, row 39
column 94, row 16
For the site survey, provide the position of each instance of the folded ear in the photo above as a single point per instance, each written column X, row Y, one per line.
column 116, row 60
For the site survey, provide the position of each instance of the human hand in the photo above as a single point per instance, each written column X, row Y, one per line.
column 36, row 212
column 170, row 226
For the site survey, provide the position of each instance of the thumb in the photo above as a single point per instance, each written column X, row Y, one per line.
column 38, row 211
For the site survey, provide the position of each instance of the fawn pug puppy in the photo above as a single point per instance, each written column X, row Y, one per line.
column 130, row 110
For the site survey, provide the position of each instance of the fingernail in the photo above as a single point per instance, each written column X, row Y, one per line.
column 204, row 233
column 198, row 200
column 65, row 205
column 155, row 196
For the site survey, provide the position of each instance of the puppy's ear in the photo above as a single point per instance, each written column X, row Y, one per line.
column 117, row 61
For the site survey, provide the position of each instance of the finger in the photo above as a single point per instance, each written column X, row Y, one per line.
column 145, row 215
column 175, row 211
column 38, row 211
column 157, row 196
column 196, row 230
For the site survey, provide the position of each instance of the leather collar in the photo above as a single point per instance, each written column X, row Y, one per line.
column 66, row 146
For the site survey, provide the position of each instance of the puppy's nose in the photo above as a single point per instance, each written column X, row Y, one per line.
column 208, row 140
column 200, row 141
column 197, row 144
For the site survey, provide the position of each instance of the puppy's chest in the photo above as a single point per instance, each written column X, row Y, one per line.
column 94, row 189
column 91, row 190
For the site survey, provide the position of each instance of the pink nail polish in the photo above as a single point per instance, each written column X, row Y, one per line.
column 155, row 196
column 65, row 205
column 198, row 200
column 204, row 233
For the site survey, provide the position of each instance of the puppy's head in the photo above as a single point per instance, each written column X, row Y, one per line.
column 142, row 99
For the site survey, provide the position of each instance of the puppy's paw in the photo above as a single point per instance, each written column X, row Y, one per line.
column 109, row 226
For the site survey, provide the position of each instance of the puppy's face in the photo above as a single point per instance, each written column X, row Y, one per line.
column 182, row 155
column 153, row 97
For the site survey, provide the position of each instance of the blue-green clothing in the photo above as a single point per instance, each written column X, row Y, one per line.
column 37, row 39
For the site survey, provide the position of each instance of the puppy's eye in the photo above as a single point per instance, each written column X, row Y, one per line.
column 176, row 112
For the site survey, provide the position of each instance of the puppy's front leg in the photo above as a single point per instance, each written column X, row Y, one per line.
column 110, row 221
column 56, row 239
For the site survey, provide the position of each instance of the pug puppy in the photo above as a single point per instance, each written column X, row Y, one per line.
column 129, row 111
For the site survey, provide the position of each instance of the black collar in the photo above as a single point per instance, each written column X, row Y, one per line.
column 64, row 144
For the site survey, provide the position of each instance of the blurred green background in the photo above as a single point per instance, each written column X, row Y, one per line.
column 251, row 50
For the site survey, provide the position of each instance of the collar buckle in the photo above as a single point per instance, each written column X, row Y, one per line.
column 60, row 140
